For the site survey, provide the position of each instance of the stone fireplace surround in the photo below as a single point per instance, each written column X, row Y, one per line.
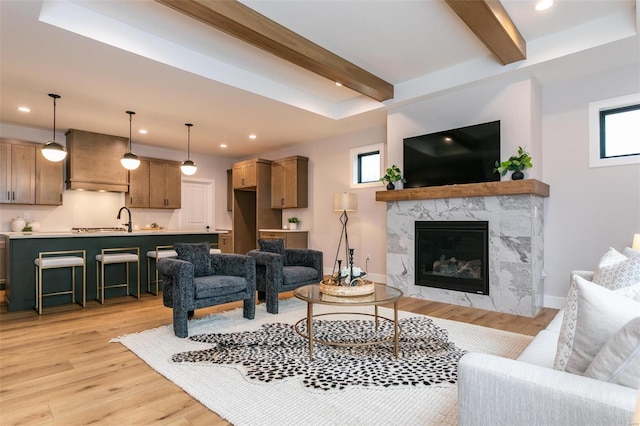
column 514, row 210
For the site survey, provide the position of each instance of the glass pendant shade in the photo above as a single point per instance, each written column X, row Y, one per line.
column 52, row 150
column 188, row 167
column 129, row 160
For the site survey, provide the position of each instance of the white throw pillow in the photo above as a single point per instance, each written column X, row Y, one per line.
column 619, row 359
column 599, row 314
column 629, row 252
column 614, row 273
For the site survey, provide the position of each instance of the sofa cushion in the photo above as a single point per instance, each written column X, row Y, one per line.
column 298, row 274
column 619, row 359
column 196, row 254
column 617, row 270
column 218, row 285
column 272, row 246
column 599, row 314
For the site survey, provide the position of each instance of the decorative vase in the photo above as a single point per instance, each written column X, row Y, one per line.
column 18, row 224
column 293, row 226
column 517, row 175
column 35, row 226
column 391, row 186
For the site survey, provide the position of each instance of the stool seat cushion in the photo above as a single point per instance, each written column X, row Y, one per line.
column 162, row 254
column 117, row 258
column 59, row 262
column 215, row 251
column 218, row 285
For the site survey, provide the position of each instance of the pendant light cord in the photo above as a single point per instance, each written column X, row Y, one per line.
column 55, row 97
column 130, row 115
column 188, row 140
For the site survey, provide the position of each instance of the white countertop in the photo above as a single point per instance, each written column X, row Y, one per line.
column 282, row 230
column 67, row 234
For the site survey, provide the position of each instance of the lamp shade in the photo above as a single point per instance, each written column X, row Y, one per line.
column 345, row 202
column 130, row 161
column 636, row 242
column 188, row 167
column 53, row 151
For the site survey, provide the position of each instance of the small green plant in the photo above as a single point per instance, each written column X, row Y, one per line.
column 393, row 174
column 515, row 163
column 293, row 220
column 27, row 229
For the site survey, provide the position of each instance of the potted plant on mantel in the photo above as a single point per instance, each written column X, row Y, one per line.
column 516, row 164
column 393, row 174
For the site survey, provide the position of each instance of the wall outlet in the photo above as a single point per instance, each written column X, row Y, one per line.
column 25, row 215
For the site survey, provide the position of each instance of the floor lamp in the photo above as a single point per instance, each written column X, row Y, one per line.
column 344, row 203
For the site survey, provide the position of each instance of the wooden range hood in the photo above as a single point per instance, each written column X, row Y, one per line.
column 94, row 162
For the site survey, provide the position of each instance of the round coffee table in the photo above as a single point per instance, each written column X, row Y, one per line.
column 382, row 295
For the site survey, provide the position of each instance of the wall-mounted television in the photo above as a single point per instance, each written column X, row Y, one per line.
column 457, row 156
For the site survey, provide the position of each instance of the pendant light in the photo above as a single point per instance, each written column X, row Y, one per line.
column 188, row 167
column 129, row 160
column 52, row 150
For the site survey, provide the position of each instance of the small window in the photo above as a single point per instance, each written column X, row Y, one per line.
column 366, row 166
column 620, row 132
column 369, row 167
column 614, row 131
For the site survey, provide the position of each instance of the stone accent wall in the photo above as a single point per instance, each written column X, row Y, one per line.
column 515, row 249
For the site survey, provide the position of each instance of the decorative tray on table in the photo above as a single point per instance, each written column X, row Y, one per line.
column 356, row 287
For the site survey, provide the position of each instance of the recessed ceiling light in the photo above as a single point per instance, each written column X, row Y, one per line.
column 252, row 136
column 223, row 145
column 338, row 84
column 24, row 109
column 142, row 131
column 544, row 5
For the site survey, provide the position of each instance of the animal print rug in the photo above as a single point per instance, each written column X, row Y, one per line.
column 276, row 352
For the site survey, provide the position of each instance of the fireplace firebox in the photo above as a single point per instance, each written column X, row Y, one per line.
column 452, row 255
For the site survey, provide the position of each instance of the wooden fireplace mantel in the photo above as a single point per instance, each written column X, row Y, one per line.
column 485, row 189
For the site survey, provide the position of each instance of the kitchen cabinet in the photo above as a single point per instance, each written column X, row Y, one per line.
column 290, row 182
column 49, row 181
column 292, row 239
column 252, row 206
column 244, row 174
column 93, row 162
column 229, row 190
column 164, row 185
column 139, row 186
column 27, row 177
column 226, row 242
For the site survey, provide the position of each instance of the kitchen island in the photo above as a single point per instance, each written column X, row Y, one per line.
column 23, row 248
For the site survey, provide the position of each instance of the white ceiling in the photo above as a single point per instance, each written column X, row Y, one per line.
column 170, row 69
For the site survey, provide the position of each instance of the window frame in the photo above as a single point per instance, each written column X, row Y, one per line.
column 596, row 131
column 354, row 154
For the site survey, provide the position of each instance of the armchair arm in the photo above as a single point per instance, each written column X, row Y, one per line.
column 180, row 274
column 304, row 257
column 500, row 391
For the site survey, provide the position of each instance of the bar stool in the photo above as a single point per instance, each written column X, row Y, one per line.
column 161, row 252
column 54, row 260
column 110, row 256
column 215, row 251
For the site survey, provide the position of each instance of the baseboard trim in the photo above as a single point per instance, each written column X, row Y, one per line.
column 554, row 302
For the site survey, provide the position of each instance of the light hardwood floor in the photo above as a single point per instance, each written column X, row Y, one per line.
column 59, row 368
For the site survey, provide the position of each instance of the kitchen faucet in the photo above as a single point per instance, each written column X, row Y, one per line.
column 128, row 223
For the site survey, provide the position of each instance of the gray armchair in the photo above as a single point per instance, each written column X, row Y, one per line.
column 279, row 269
column 198, row 279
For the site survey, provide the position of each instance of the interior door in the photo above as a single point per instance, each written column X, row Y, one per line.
column 198, row 204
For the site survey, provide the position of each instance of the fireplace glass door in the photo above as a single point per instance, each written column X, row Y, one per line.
column 452, row 255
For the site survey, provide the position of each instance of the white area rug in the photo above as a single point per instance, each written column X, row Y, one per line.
column 226, row 391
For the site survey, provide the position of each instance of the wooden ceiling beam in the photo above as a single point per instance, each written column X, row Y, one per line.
column 244, row 23
column 492, row 25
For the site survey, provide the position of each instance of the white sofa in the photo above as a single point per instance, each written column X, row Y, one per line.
column 528, row 391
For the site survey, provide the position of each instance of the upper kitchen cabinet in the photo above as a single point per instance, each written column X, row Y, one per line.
column 165, row 183
column 244, row 174
column 138, row 195
column 289, row 183
column 24, row 179
column 94, row 161
column 49, row 181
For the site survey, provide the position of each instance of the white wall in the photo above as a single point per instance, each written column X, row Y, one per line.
column 99, row 209
column 329, row 164
column 589, row 209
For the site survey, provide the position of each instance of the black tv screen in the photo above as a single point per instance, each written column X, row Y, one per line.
column 457, row 156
